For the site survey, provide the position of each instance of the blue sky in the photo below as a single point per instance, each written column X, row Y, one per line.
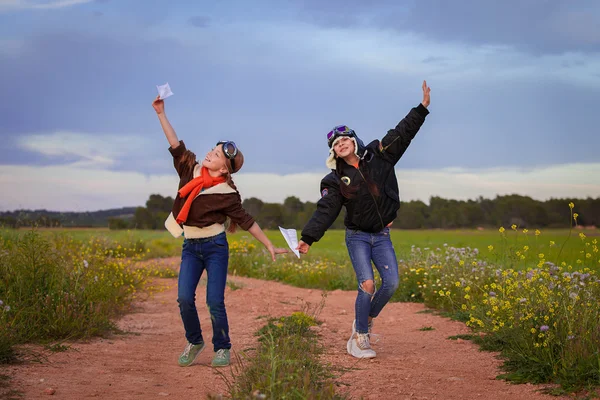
column 515, row 86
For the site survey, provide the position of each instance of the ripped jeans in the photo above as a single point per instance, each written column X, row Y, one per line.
column 362, row 248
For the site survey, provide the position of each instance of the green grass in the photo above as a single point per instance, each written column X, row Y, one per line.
column 543, row 318
column 54, row 288
column 286, row 364
column 332, row 246
column 480, row 277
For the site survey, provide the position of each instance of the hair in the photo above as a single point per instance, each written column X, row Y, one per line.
column 349, row 191
column 188, row 159
column 229, row 224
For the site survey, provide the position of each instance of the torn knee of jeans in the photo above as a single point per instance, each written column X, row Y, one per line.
column 367, row 287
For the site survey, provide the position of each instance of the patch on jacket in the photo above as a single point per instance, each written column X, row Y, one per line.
column 324, row 192
column 346, row 180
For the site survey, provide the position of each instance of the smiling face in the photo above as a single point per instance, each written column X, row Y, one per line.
column 216, row 161
column 343, row 147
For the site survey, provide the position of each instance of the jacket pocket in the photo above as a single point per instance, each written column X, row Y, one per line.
column 392, row 194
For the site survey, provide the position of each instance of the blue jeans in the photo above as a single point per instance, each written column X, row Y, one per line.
column 362, row 248
column 210, row 254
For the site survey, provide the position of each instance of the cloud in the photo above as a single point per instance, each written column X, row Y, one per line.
column 91, row 151
column 532, row 26
column 71, row 188
column 199, row 21
column 13, row 5
column 276, row 88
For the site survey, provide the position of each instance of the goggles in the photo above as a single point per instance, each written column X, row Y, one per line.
column 230, row 150
column 340, row 130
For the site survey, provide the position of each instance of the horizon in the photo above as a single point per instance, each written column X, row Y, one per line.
column 566, row 199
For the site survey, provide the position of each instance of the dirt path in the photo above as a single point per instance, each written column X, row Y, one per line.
column 411, row 364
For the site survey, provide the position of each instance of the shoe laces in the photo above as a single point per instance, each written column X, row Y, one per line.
column 363, row 341
column 188, row 348
column 373, row 337
column 221, row 354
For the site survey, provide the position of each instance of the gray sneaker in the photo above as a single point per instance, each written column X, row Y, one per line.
column 189, row 354
column 221, row 358
column 359, row 346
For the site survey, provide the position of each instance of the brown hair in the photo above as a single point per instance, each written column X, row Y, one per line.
column 229, row 224
column 349, row 191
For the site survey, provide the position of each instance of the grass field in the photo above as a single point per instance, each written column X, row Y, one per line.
column 332, row 245
column 534, row 294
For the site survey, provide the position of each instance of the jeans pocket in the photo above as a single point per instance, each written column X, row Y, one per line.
column 351, row 232
column 220, row 241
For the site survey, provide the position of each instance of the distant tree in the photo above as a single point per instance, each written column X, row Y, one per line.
column 253, row 206
column 115, row 223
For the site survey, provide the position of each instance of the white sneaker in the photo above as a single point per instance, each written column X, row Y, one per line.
column 358, row 346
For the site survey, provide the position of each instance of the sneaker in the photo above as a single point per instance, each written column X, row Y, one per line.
column 358, row 346
column 190, row 353
column 373, row 337
column 221, row 358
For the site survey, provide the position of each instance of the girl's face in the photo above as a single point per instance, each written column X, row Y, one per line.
column 344, row 147
column 215, row 160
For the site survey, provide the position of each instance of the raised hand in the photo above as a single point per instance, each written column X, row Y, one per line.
column 426, row 98
column 158, row 105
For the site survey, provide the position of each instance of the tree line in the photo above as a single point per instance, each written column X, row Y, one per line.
column 439, row 213
column 293, row 213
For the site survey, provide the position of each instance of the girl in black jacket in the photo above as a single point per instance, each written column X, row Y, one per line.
column 364, row 181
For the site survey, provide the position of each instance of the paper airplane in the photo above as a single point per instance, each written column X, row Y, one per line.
column 164, row 91
column 291, row 237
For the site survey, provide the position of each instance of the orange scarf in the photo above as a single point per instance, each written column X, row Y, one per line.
column 192, row 188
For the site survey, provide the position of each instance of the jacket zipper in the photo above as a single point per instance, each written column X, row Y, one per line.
column 373, row 197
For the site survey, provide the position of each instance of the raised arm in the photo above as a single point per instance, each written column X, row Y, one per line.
column 159, row 107
column 397, row 140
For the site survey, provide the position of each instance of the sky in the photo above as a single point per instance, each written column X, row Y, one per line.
column 515, row 87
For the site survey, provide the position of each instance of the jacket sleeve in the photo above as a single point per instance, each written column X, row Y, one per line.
column 328, row 208
column 238, row 214
column 395, row 143
column 181, row 156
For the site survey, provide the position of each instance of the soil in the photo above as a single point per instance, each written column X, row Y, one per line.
column 142, row 364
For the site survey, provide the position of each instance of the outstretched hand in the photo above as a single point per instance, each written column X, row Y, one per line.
column 158, row 105
column 303, row 247
column 426, row 97
column 276, row 250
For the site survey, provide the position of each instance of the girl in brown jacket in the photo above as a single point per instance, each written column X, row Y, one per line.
column 206, row 199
